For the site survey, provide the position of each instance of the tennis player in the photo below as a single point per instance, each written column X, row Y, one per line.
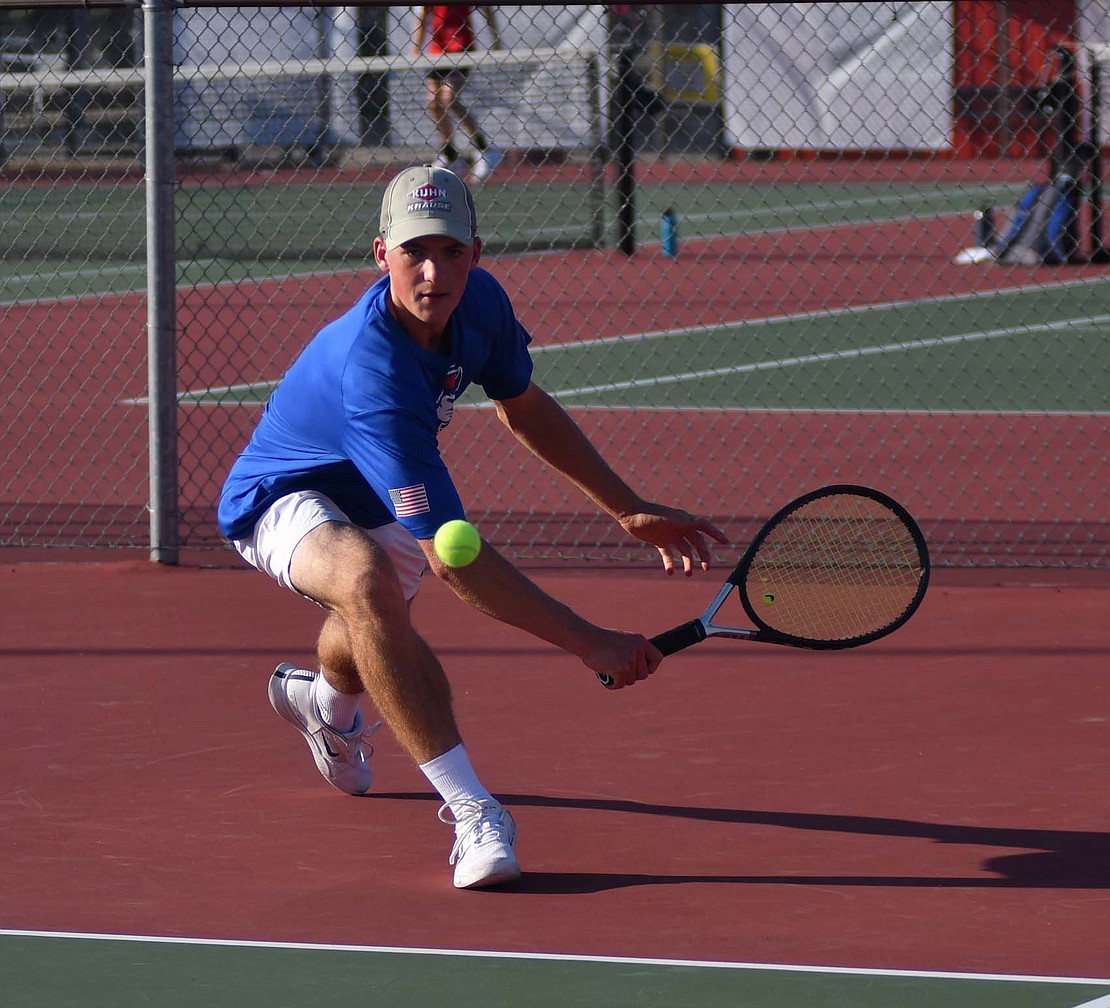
column 448, row 29
column 341, row 488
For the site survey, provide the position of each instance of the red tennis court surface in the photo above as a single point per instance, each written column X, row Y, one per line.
column 935, row 801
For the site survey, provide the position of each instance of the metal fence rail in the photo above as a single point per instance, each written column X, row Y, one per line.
column 189, row 190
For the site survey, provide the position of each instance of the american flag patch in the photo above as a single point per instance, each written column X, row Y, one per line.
column 410, row 500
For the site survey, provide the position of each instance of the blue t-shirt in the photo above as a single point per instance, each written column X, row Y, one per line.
column 357, row 416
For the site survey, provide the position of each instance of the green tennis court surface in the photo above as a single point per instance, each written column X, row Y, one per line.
column 67, row 240
column 984, row 346
column 118, row 972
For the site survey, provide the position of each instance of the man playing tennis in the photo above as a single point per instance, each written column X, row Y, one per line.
column 341, row 488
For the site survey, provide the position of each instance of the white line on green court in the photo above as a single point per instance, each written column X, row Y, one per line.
column 832, row 355
column 896, row 200
column 828, row 411
column 818, row 313
column 557, row 957
column 539, row 254
column 122, row 269
column 211, row 285
column 139, row 267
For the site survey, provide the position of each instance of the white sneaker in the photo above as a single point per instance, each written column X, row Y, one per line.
column 483, row 854
column 458, row 166
column 485, row 163
column 341, row 757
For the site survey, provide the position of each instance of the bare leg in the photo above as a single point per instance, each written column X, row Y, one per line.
column 449, row 100
column 336, row 662
column 438, row 102
column 368, row 638
column 466, row 120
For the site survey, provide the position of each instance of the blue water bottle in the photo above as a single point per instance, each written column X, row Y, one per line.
column 669, row 227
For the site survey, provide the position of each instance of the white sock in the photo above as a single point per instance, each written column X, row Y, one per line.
column 337, row 710
column 454, row 778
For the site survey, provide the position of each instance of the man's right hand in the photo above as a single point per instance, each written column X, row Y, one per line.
column 626, row 658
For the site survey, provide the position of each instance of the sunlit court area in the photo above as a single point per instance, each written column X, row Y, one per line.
column 830, row 276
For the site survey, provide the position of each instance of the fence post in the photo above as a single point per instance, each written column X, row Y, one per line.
column 161, row 281
column 597, row 152
column 623, row 125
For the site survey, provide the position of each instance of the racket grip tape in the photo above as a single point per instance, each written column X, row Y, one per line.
column 669, row 642
column 684, row 636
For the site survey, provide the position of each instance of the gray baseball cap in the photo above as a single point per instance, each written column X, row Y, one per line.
column 424, row 201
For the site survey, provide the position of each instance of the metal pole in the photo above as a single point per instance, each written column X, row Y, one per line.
column 77, row 99
column 1005, row 100
column 1066, row 160
column 1098, row 251
column 597, row 153
column 161, row 281
column 622, row 126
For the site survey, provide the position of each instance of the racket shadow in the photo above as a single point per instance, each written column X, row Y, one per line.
column 1049, row 859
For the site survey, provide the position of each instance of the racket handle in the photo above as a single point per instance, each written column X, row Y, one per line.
column 668, row 643
column 684, row 636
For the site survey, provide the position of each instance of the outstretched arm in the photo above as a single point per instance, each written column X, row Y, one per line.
column 497, row 588
column 539, row 423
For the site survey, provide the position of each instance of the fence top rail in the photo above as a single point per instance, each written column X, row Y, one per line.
column 108, row 77
column 77, row 4
column 138, row 4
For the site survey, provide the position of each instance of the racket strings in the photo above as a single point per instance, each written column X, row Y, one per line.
column 839, row 567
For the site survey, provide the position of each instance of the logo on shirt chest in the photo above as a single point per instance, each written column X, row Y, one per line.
column 452, row 388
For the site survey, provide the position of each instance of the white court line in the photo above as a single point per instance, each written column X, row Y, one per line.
column 827, row 411
column 816, row 313
column 78, row 274
column 211, row 285
column 556, row 957
column 100, row 271
column 831, row 355
column 1102, row 1002
column 539, row 254
column 1069, row 324
column 894, row 200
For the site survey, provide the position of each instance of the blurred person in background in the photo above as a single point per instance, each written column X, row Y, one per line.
column 445, row 30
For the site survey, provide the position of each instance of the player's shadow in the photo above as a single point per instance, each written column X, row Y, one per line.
column 1048, row 859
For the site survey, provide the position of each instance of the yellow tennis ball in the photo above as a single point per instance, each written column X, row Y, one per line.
column 457, row 543
column 769, row 598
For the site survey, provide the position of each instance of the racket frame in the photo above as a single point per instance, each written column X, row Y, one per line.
column 696, row 630
column 767, row 633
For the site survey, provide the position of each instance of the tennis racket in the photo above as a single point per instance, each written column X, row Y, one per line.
column 838, row 567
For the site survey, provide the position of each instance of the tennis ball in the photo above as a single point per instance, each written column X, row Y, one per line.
column 457, row 543
column 769, row 598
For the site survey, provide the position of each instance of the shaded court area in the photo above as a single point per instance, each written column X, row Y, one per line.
column 936, row 801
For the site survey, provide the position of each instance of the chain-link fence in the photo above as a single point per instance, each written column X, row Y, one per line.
column 759, row 247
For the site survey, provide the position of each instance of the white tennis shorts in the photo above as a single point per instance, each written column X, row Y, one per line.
column 289, row 519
